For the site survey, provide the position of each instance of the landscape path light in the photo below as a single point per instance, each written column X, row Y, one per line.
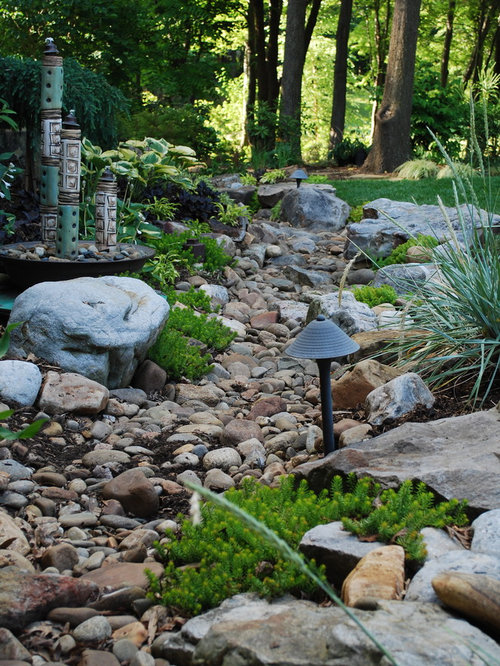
column 299, row 175
column 323, row 341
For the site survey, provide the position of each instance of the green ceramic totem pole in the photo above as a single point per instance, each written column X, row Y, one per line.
column 51, row 101
column 69, row 189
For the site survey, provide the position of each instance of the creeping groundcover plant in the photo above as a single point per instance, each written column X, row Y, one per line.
column 248, row 540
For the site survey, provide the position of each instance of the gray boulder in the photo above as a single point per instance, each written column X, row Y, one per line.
column 256, row 633
column 397, row 398
column 336, row 548
column 19, row 382
column 101, row 328
column 420, row 587
column 486, row 537
column 351, row 315
column 446, row 454
column 307, row 278
column 314, row 208
column 405, row 278
column 387, row 224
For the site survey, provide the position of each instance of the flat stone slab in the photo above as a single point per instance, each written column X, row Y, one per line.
column 303, row 634
column 387, row 224
column 456, row 457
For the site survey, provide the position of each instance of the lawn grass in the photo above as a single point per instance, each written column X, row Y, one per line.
column 357, row 192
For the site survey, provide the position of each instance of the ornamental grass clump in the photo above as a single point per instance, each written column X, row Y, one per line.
column 454, row 337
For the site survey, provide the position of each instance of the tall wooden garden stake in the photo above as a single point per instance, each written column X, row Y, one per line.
column 69, row 189
column 51, row 101
column 105, row 211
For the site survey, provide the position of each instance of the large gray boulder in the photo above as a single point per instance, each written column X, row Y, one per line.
column 256, row 633
column 456, row 457
column 387, row 224
column 314, row 208
column 101, row 327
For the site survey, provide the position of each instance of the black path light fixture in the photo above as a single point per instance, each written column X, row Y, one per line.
column 323, row 341
column 299, row 175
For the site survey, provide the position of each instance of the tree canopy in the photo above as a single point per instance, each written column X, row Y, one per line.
column 264, row 72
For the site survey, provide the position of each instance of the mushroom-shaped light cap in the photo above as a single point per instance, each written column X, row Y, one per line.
column 299, row 174
column 322, row 339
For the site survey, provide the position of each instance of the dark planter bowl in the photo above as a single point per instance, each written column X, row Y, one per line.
column 26, row 272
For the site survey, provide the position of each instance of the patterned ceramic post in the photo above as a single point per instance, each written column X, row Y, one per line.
column 105, row 212
column 51, row 101
column 69, row 189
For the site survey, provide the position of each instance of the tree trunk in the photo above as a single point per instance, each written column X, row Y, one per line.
column 445, row 58
column 263, row 84
column 391, row 141
column 273, row 86
column 340, row 74
column 485, row 17
column 381, row 42
column 291, row 82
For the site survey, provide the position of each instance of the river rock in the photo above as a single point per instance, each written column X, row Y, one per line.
column 19, row 382
column 314, row 208
column 397, row 398
column 12, row 652
column 239, row 430
column 338, row 550
column 11, row 536
column 475, row 596
column 101, row 327
column 26, row 597
column 378, row 575
column 71, row 392
column 353, row 387
column 122, row 575
column 351, row 315
column 134, row 491
column 486, row 537
column 437, row 453
column 420, row 587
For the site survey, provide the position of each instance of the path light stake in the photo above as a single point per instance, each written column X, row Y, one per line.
column 299, row 175
column 105, row 211
column 323, row 341
column 50, row 151
column 69, row 189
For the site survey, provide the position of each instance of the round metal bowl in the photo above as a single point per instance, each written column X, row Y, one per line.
column 26, row 272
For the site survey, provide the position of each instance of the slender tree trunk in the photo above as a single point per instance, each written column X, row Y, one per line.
column 273, row 87
column 445, row 58
column 381, row 42
column 496, row 64
column 485, row 17
column 291, row 82
column 391, row 141
column 340, row 74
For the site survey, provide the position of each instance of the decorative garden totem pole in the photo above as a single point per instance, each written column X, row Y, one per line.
column 51, row 101
column 105, row 211
column 69, row 189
